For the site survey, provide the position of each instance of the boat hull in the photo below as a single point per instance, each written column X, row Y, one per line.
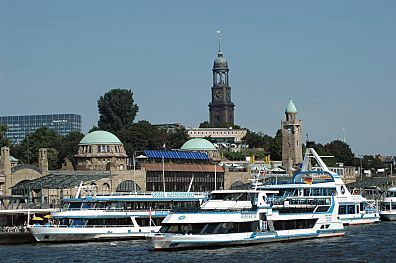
column 388, row 216
column 174, row 242
column 360, row 219
column 67, row 234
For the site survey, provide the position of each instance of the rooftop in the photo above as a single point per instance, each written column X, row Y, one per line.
column 99, row 137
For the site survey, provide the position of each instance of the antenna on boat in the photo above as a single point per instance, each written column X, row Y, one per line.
column 79, row 189
column 189, row 186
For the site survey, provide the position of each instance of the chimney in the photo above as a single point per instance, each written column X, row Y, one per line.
column 43, row 161
column 5, row 168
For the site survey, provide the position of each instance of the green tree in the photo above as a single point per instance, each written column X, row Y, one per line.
column 27, row 150
column 3, row 140
column 258, row 140
column 341, row 151
column 205, row 124
column 117, row 110
column 276, row 147
column 141, row 136
column 176, row 138
column 69, row 147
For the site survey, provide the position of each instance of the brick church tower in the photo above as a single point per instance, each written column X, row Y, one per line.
column 221, row 109
column 291, row 138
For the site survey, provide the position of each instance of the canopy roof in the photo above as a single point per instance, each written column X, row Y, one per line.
column 61, row 180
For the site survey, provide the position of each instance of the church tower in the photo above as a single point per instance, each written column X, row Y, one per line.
column 221, row 109
column 291, row 138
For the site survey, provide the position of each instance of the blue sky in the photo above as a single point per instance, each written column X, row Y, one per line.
column 336, row 59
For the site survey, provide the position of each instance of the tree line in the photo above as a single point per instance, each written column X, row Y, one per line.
column 117, row 113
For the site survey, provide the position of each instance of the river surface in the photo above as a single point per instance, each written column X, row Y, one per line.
column 364, row 243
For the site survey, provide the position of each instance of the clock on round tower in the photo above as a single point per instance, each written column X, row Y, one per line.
column 218, row 95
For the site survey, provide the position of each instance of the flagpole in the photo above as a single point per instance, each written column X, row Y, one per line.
column 134, row 172
column 215, row 175
column 163, row 172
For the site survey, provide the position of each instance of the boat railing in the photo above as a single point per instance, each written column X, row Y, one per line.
column 211, row 210
column 115, row 209
column 298, row 201
column 141, row 194
column 81, row 226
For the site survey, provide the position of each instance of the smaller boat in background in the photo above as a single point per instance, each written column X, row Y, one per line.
column 388, row 205
column 112, row 217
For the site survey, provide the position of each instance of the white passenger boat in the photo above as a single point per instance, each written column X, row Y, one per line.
column 111, row 217
column 315, row 179
column 388, row 205
column 242, row 217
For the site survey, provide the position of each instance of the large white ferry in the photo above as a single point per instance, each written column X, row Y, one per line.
column 315, row 179
column 241, row 217
column 388, row 205
column 111, row 217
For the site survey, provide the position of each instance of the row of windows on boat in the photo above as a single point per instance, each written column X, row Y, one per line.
column 351, row 209
column 390, row 194
column 307, row 192
column 133, row 205
column 302, row 210
column 388, row 206
column 127, row 221
column 282, row 193
column 236, row 227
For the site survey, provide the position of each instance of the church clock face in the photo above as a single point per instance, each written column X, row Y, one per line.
column 218, row 95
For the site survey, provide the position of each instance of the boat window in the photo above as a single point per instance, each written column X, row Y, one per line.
column 182, row 228
column 351, row 209
column 209, row 228
column 294, row 224
column 233, row 196
column 316, row 192
column 322, row 208
column 342, row 210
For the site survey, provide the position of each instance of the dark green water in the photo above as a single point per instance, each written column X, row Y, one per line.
column 365, row 243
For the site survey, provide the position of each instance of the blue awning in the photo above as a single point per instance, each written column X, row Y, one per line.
column 154, row 154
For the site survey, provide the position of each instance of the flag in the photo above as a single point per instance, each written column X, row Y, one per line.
column 307, row 180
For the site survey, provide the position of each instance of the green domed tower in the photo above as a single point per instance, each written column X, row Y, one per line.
column 101, row 150
column 291, row 138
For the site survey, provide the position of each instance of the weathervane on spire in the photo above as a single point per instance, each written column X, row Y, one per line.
column 219, row 33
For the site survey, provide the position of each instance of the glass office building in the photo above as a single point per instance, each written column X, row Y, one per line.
column 19, row 126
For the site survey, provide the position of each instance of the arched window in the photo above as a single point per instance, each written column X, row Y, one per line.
column 127, row 186
column 105, row 188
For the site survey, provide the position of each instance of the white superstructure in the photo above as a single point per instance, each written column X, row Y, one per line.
column 315, row 179
column 238, row 217
column 109, row 217
column 388, row 205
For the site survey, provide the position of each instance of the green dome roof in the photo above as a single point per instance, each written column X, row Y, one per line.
column 198, row 144
column 291, row 108
column 99, row 137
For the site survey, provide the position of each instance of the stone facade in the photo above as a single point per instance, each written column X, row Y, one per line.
column 10, row 176
column 291, row 141
column 101, row 157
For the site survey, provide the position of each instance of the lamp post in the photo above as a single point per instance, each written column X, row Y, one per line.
column 361, row 167
column 134, row 171
column 215, row 176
